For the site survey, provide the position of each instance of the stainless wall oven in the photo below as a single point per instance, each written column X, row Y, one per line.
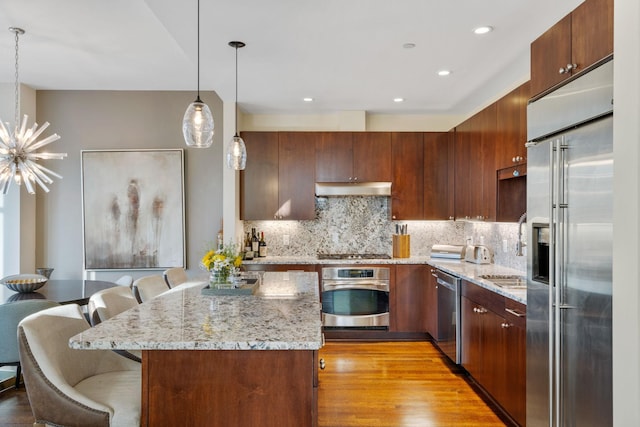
column 355, row 297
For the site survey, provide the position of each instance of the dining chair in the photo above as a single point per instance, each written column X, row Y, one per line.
column 10, row 315
column 69, row 387
column 175, row 276
column 148, row 287
column 125, row 280
column 109, row 302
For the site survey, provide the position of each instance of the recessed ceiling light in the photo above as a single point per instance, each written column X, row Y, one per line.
column 483, row 30
column 398, row 99
column 307, row 99
column 409, row 45
column 444, row 72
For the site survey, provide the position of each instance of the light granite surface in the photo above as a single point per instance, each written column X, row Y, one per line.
column 472, row 272
column 284, row 314
column 465, row 270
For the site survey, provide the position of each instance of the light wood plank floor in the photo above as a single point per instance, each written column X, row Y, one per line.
column 394, row 384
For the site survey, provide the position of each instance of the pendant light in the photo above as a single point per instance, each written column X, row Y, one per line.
column 197, row 123
column 18, row 146
column 236, row 150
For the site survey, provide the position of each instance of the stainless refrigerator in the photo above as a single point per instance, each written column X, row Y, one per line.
column 569, row 257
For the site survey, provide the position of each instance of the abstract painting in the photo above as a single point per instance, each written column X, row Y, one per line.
column 133, row 209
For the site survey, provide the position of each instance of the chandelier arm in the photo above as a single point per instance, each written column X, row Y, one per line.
column 47, row 140
column 40, row 171
column 37, row 133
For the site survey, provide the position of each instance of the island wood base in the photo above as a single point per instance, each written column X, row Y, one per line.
column 229, row 388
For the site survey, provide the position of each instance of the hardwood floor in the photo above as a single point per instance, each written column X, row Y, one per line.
column 394, row 384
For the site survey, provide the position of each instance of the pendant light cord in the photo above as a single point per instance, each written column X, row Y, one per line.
column 17, row 85
column 198, row 26
column 236, row 90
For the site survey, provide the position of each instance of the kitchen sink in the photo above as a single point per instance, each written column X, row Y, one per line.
column 510, row 281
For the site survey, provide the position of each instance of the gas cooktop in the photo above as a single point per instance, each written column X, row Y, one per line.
column 353, row 256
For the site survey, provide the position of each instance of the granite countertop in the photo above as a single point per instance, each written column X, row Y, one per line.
column 284, row 314
column 315, row 260
column 465, row 270
column 472, row 272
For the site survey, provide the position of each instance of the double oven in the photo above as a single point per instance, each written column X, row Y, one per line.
column 355, row 296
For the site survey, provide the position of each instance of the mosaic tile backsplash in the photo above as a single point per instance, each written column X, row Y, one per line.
column 363, row 225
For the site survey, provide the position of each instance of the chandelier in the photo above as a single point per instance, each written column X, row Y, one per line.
column 18, row 145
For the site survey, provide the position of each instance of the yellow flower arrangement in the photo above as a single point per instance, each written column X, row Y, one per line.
column 222, row 262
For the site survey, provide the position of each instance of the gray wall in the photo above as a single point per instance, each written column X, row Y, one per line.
column 88, row 120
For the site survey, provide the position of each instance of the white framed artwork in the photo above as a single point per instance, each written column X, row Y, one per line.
column 133, row 209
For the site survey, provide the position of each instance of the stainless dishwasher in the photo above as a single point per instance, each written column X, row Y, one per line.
column 448, row 338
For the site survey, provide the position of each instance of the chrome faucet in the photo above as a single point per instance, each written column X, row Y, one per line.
column 520, row 244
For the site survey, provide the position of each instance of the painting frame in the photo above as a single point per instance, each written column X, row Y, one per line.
column 133, row 218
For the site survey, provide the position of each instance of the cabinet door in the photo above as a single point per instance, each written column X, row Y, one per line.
column 372, row 156
column 483, row 203
column 514, row 395
column 471, row 331
column 410, row 300
column 463, row 181
column 591, row 32
column 512, row 127
column 259, row 181
column 549, row 52
column 334, row 157
column 436, row 176
column 407, row 159
column 431, row 307
column 296, row 179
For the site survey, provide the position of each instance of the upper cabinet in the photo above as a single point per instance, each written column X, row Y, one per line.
column 512, row 127
column 353, row 156
column 577, row 41
column 276, row 183
column 407, row 191
column 438, row 175
column 475, row 172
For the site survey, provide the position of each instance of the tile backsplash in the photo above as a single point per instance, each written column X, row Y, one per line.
column 363, row 225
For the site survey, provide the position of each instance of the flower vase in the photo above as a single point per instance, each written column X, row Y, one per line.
column 219, row 278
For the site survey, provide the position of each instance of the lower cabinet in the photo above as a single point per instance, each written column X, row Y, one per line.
column 494, row 346
column 408, row 306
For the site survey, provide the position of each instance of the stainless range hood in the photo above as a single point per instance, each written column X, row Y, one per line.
column 327, row 189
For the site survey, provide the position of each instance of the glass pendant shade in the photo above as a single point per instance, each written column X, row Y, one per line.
column 197, row 125
column 236, row 153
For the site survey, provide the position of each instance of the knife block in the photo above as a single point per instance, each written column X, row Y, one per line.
column 401, row 246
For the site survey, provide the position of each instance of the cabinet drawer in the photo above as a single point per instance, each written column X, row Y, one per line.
column 486, row 298
column 515, row 313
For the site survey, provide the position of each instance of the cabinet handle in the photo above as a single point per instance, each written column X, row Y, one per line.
column 568, row 68
column 505, row 325
column 355, row 178
column 479, row 310
column 514, row 312
column 322, row 365
column 393, row 216
column 517, row 159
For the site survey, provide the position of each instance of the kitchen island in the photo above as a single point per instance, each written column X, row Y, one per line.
column 224, row 360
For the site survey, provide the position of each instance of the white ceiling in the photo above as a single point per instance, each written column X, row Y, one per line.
column 346, row 54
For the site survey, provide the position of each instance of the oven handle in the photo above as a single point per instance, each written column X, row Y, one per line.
column 447, row 285
column 384, row 287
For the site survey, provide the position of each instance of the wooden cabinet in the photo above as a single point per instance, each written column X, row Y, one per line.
column 296, row 182
column 259, row 181
column 475, row 186
column 438, row 189
column 408, row 180
column 431, row 305
column 576, row 42
column 229, row 388
column 276, row 183
column 408, row 306
column 353, row 156
column 494, row 346
column 511, row 123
